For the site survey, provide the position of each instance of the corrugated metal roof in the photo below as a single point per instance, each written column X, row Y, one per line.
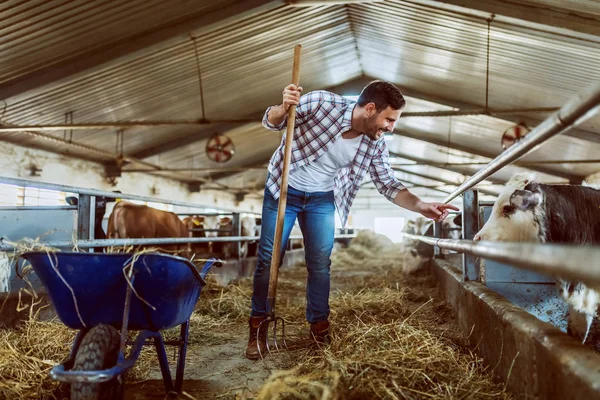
column 244, row 66
column 482, row 134
column 242, row 70
column 436, row 51
column 39, row 33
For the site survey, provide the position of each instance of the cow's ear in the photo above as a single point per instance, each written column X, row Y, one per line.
column 524, row 199
column 457, row 220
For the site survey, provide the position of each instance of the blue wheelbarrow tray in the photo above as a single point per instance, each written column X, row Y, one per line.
column 89, row 289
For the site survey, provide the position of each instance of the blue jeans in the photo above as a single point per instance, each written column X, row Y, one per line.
column 316, row 217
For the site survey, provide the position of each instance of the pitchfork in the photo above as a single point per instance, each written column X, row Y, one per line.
column 276, row 256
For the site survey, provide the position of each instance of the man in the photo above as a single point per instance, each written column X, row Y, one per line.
column 336, row 141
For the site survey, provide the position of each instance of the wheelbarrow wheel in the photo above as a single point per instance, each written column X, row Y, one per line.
column 99, row 350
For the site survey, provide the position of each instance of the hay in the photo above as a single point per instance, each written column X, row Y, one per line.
column 27, row 354
column 380, row 352
column 371, row 240
column 390, row 338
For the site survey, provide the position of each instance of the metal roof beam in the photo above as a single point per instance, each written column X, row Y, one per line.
column 355, row 86
column 422, row 161
column 438, row 179
column 128, row 47
column 529, row 11
column 442, row 143
column 515, row 118
column 203, row 133
column 249, row 166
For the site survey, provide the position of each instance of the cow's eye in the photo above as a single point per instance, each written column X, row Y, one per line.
column 507, row 210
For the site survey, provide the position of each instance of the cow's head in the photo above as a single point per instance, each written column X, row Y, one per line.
column 194, row 221
column 225, row 221
column 451, row 226
column 516, row 214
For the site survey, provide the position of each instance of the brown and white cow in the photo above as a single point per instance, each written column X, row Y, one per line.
column 527, row 211
column 129, row 220
column 224, row 249
column 198, row 250
column 249, row 228
column 225, row 226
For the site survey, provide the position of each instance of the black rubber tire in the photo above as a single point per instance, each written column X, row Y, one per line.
column 99, row 350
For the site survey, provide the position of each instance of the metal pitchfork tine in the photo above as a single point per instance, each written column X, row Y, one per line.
column 276, row 256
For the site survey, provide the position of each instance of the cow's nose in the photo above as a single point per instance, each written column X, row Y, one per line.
column 477, row 237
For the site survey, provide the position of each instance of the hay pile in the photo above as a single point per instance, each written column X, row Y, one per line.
column 368, row 249
column 390, row 338
column 27, row 354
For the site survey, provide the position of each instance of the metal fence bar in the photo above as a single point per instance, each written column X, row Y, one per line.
column 95, row 192
column 556, row 123
column 437, row 232
column 209, row 230
column 577, row 263
column 150, row 241
column 237, row 231
column 84, row 207
column 470, row 226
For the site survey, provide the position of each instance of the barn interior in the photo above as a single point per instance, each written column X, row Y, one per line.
column 163, row 103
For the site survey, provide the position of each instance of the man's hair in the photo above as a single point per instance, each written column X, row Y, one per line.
column 383, row 94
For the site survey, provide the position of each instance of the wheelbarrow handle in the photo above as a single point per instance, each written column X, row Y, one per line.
column 208, row 265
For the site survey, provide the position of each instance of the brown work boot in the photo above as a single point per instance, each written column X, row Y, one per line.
column 254, row 341
column 320, row 332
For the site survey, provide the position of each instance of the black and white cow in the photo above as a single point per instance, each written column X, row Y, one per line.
column 527, row 211
column 418, row 253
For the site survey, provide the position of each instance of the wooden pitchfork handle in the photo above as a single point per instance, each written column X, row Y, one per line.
column 289, row 138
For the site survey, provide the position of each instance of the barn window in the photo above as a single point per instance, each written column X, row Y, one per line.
column 11, row 195
column 42, row 197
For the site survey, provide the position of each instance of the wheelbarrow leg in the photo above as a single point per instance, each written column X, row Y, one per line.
column 183, row 341
column 163, row 361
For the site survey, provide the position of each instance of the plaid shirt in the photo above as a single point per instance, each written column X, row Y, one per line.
column 321, row 118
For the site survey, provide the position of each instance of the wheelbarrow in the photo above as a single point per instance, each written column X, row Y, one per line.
column 99, row 293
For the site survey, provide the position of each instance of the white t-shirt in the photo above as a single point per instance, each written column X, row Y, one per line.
column 318, row 176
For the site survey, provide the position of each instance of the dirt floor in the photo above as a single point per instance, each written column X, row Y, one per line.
column 217, row 368
column 391, row 339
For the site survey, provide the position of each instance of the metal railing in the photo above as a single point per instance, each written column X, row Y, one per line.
column 578, row 263
column 555, row 124
column 84, row 244
column 86, row 212
column 100, row 193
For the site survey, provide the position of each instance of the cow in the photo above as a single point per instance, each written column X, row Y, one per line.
column 417, row 253
column 129, row 220
column 99, row 211
column 253, row 246
column 249, row 228
column 592, row 180
column 451, row 227
column 196, row 249
column 296, row 243
column 224, row 249
column 528, row 211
